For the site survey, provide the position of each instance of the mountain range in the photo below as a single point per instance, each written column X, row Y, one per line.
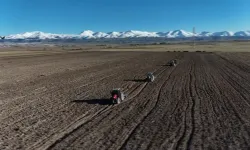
column 127, row 34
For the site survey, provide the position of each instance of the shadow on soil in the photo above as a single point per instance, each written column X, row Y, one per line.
column 95, row 101
column 136, row 80
column 165, row 65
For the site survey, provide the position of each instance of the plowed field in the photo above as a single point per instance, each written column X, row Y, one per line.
column 61, row 101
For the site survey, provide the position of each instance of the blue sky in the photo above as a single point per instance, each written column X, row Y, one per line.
column 74, row 16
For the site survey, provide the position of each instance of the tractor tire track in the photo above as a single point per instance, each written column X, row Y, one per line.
column 158, row 97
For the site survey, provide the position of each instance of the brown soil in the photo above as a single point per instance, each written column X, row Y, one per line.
column 61, row 101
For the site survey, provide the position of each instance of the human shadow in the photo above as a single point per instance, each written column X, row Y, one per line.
column 95, row 101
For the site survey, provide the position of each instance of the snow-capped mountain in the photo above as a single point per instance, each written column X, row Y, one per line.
column 242, row 33
column 175, row 34
column 205, row 34
column 133, row 33
column 88, row 34
column 99, row 34
column 40, row 35
column 223, row 33
column 113, row 35
column 126, row 34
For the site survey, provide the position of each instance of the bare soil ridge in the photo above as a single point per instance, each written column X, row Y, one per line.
column 61, row 101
